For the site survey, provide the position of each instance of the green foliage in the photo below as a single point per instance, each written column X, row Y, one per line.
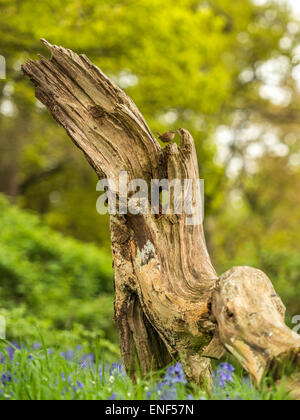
column 41, row 374
column 179, row 62
column 260, row 226
column 23, row 327
column 58, row 280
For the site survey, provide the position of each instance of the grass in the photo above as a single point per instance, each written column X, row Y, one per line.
column 40, row 373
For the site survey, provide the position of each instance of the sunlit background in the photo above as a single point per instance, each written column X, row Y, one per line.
column 228, row 71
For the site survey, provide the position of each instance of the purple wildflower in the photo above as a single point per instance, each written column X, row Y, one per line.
column 11, row 353
column 87, row 361
column 6, row 378
column 69, row 355
column 167, row 387
column 36, row 346
column 2, row 358
column 117, row 368
column 174, row 375
column 223, row 376
column 227, row 366
column 66, row 379
column 113, row 397
column 80, row 385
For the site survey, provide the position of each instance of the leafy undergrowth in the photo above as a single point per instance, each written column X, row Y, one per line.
column 45, row 276
column 40, row 373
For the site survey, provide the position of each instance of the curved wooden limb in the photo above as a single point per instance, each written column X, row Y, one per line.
column 251, row 323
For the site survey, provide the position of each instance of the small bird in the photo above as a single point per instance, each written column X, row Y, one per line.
column 166, row 137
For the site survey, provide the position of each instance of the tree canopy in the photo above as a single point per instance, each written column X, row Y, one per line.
column 225, row 70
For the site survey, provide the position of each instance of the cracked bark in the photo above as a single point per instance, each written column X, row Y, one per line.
column 169, row 301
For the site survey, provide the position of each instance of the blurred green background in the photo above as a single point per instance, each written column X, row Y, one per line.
column 228, row 71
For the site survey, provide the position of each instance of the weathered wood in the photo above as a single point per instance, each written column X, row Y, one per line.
column 169, row 302
column 250, row 318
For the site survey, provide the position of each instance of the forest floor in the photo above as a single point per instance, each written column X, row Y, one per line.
column 40, row 373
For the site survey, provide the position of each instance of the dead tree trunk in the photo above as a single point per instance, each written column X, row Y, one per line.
column 169, row 301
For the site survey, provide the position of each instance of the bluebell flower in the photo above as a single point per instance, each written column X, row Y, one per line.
column 80, row 385
column 69, row 355
column 117, row 368
column 174, row 374
column 36, row 346
column 167, row 388
column 16, row 345
column 68, row 379
column 168, row 393
column 227, row 367
column 6, row 378
column 11, row 353
column 87, row 361
column 113, row 396
column 2, row 358
column 223, row 376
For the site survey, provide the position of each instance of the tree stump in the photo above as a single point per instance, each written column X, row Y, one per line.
column 170, row 303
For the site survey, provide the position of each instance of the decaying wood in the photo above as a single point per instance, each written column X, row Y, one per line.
column 169, row 301
column 250, row 318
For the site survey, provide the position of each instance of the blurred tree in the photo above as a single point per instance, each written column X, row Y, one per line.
column 227, row 71
column 179, row 61
column 260, row 226
column 258, row 221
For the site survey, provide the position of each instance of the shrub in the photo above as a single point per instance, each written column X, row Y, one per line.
column 54, row 278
